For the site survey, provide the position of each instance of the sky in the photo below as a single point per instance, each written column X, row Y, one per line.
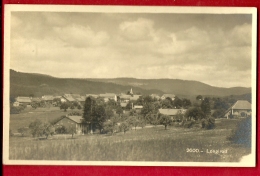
column 212, row 48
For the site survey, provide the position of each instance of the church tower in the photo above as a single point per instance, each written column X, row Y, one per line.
column 131, row 92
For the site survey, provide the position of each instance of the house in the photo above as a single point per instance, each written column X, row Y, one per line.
column 74, row 122
column 123, row 104
column 164, row 96
column 108, row 96
column 124, row 97
column 134, row 97
column 155, row 96
column 36, row 99
column 241, row 108
column 92, row 95
column 68, row 97
column 138, row 107
column 16, row 104
column 48, row 98
column 24, row 100
column 172, row 112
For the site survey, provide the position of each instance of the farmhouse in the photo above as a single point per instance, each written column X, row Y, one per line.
column 124, row 97
column 48, row 98
column 155, row 96
column 172, row 112
column 164, row 96
column 73, row 122
column 23, row 100
column 134, row 97
column 241, row 108
column 92, row 95
column 108, row 96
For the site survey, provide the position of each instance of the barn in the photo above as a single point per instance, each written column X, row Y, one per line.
column 241, row 108
column 73, row 122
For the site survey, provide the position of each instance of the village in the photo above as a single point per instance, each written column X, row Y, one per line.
column 125, row 111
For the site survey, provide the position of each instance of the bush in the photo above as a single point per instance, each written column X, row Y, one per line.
column 208, row 123
column 242, row 134
column 61, row 130
column 188, row 124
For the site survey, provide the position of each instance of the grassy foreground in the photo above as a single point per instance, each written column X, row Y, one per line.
column 147, row 144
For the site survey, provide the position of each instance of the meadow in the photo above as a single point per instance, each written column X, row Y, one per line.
column 147, row 144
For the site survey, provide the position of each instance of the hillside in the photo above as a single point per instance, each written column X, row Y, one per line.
column 25, row 84
column 178, row 87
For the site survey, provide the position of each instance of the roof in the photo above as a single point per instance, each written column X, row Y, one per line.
column 108, row 95
column 169, row 95
column 80, row 99
column 171, row 111
column 123, row 104
column 23, row 99
column 242, row 104
column 47, row 97
column 77, row 119
column 36, row 99
column 125, row 96
column 92, row 95
column 138, row 106
column 134, row 97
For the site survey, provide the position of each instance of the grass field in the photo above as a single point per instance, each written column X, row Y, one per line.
column 147, row 144
column 29, row 115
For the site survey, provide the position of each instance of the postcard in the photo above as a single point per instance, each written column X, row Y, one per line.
column 129, row 86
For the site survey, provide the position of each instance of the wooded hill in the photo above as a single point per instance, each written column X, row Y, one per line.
column 25, row 84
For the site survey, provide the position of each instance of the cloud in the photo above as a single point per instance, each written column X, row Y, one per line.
column 141, row 29
column 80, row 36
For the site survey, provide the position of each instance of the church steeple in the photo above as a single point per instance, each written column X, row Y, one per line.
column 131, row 92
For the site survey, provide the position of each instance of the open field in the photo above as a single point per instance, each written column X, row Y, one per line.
column 147, row 144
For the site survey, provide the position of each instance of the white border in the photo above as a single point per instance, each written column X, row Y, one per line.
column 123, row 9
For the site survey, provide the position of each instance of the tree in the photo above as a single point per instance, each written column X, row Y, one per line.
column 23, row 130
column 148, row 108
column 111, row 125
column 119, row 110
column 195, row 113
column 71, row 130
column 199, row 97
column 166, row 104
column 36, row 128
column 64, row 106
column 133, row 121
column 186, row 103
column 109, row 112
column 57, row 101
column 99, row 116
column 89, row 107
column 124, row 126
column 165, row 120
column 205, row 107
column 177, row 102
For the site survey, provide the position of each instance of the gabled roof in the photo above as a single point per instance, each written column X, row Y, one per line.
column 123, row 104
column 242, row 104
column 36, row 99
column 138, row 107
column 23, row 99
column 168, row 95
column 134, row 97
column 77, row 119
column 171, row 111
column 47, row 97
column 107, row 95
column 125, row 96
column 80, row 99
column 92, row 95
